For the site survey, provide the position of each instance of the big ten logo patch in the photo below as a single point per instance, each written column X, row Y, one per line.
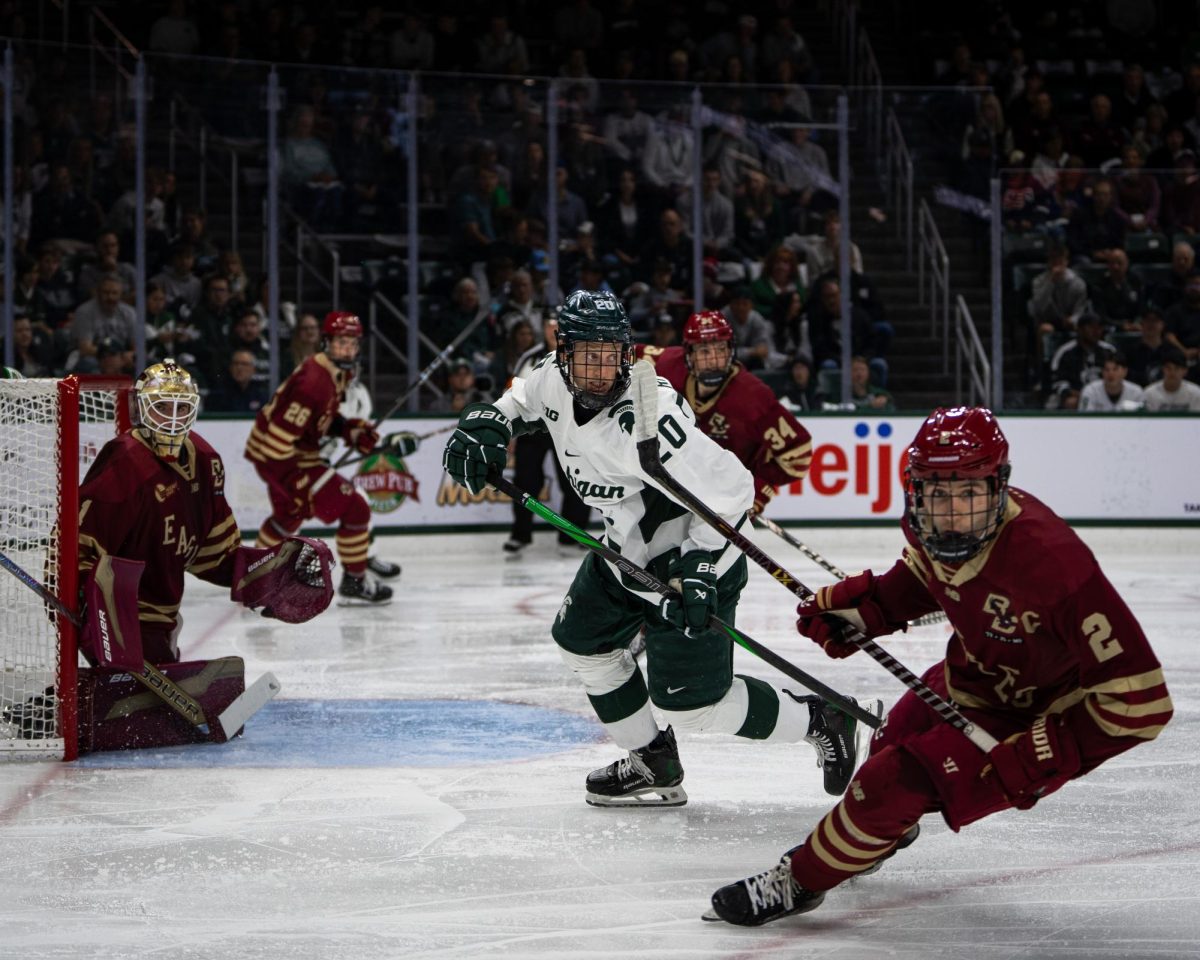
column 386, row 481
column 869, row 468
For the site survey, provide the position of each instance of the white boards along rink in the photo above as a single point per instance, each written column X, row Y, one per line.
column 1089, row 468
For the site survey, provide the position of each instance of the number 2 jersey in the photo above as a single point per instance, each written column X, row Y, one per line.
column 1038, row 629
column 743, row 416
column 600, row 459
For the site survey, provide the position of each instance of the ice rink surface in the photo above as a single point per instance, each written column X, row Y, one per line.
column 417, row 792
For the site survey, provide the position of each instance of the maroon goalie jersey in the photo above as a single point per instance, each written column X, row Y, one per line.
column 171, row 516
column 287, row 432
column 744, row 417
column 1038, row 629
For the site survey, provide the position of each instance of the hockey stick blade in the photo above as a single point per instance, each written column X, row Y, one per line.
column 249, row 702
column 652, row 464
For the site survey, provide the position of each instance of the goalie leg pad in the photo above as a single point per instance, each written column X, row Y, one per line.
column 117, row 713
column 112, row 635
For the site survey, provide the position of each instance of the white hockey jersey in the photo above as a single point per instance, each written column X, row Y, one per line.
column 641, row 521
column 356, row 403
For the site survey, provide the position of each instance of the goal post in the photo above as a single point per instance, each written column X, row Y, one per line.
column 50, row 432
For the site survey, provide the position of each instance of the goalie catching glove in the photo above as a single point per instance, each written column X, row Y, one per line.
column 478, row 447
column 833, row 613
column 292, row 581
column 696, row 574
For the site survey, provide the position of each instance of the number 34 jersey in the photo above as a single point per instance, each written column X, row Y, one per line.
column 600, row 460
column 1039, row 629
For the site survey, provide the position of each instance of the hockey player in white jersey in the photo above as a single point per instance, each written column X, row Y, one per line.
column 578, row 394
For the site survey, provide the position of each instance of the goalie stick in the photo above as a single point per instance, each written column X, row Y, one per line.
column 651, row 582
column 244, row 707
column 645, row 431
column 820, row 561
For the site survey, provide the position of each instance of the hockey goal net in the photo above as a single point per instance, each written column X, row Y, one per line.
column 50, row 432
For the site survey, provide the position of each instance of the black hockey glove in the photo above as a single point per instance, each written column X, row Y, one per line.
column 401, row 444
column 696, row 574
column 478, row 446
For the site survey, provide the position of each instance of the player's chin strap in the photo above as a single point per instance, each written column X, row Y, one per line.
column 645, row 431
column 651, row 582
column 820, row 561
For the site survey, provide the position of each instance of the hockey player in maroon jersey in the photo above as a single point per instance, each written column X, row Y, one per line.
column 156, row 495
column 285, row 448
column 733, row 406
column 1045, row 656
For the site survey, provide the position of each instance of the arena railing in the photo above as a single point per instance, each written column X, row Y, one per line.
column 933, row 278
column 970, row 358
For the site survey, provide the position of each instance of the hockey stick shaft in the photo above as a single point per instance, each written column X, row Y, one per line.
column 416, row 385
column 646, row 426
column 151, row 677
column 420, row 436
column 824, row 564
column 651, row 582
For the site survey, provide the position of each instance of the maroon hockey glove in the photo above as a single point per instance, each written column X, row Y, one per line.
column 360, row 435
column 762, row 496
column 1035, row 762
column 291, row 581
column 834, row 612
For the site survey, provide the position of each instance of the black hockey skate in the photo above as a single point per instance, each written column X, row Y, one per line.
column 364, row 591
column 770, row 895
column 649, row 777
column 840, row 740
column 513, row 548
column 910, row 835
column 384, row 569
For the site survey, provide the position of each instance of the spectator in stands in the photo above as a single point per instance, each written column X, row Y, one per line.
column 517, row 341
column 305, row 342
column 246, row 335
column 1059, row 294
column 1138, row 193
column 570, row 208
column 33, row 349
column 989, row 122
column 164, row 333
column 1078, row 362
column 529, row 175
column 780, row 275
column 1112, row 392
column 54, row 286
column 412, row 45
column 753, row 338
column 578, row 24
column 474, row 231
column 1173, row 392
column 790, row 324
column 365, row 44
column 460, row 388
column 623, row 223
column 239, row 391
column 22, row 210
column 799, row 174
column 782, row 42
column 1030, row 131
column 1117, row 296
column 627, row 131
column 825, row 332
column 583, row 92
column 1146, row 356
column 1094, row 232
column 1165, row 155
column 591, row 277
column 103, row 316
column 1072, row 189
column 1166, row 294
column 466, row 308
column 800, row 391
column 501, row 50
column 672, row 243
column 124, row 210
column 1183, row 321
column 107, row 264
column 863, row 393
column 1099, row 137
column 113, row 358
column 1025, row 205
column 175, row 32
column 1181, row 105
column 177, row 280
column 823, row 253
column 360, row 159
column 520, row 304
column 716, row 215
column 229, row 266
column 667, row 160
column 1181, row 199
column 61, row 214
column 211, row 320
column 647, row 302
column 27, row 298
column 759, row 219
column 1134, row 100
column 309, row 174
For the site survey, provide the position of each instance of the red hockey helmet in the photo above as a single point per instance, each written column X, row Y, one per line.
column 341, row 323
column 951, row 514
column 709, row 326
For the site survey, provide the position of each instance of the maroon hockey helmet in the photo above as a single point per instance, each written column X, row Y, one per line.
column 341, row 323
column 708, row 326
column 956, row 521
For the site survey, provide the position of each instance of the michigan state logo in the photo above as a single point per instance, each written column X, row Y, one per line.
column 386, row 481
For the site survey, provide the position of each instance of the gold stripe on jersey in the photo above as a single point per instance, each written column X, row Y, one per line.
column 1133, row 684
column 257, row 450
column 224, row 546
column 265, row 440
column 205, row 566
column 961, row 697
column 819, row 841
column 853, row 829
column 283, row 436
column 221, row 527
column 1111, row 704
column 915, row 562
column 795, row 462
column 1114, row 729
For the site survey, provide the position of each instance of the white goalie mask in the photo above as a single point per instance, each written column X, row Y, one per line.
column 167, row 405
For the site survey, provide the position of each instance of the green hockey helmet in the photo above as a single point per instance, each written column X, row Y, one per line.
column 595, row 373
